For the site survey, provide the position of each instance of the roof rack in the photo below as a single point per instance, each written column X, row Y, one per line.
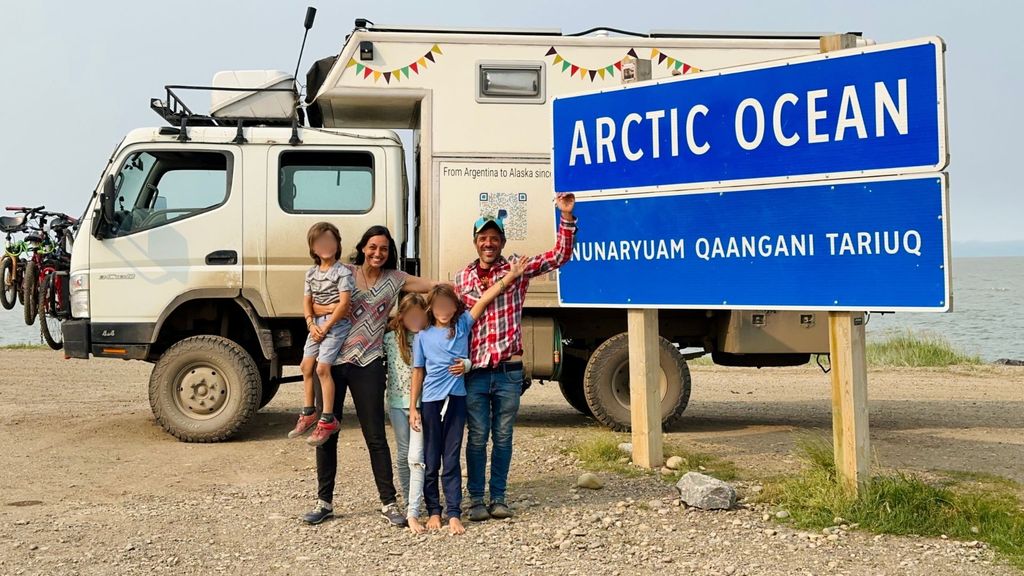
column 176, row 113
column 173, row 109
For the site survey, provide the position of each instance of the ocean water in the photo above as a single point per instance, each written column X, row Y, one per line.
column 988, row 315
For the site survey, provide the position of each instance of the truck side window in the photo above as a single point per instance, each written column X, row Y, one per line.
column 156, row 187
column 325, row 182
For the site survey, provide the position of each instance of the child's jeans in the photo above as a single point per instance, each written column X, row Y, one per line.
column 444, row 422
column 410, row 460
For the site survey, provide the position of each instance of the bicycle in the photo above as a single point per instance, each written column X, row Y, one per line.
column 54, row 295
column 12, row 263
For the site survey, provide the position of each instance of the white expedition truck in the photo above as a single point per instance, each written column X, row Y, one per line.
column 192, row 251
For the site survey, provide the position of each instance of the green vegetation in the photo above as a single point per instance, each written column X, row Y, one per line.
column 23, row 346
column 916, row 350
column 966, row 506
column 599, row 452
column 902, row 348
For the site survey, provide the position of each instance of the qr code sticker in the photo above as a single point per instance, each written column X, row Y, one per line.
column 509, row 207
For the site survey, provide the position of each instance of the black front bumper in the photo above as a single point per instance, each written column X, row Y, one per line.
column 76, row 338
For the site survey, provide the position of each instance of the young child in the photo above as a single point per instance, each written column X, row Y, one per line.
column 410, row 319
column 327, row 282
column 438, row 377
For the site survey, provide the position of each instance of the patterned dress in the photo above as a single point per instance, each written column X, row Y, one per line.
column 368, row 311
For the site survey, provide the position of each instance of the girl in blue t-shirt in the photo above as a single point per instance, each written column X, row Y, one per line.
column 438, row 383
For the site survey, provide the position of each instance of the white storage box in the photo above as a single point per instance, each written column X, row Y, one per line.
column 238, row 104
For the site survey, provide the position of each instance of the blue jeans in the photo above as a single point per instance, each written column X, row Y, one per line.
column 410, row 460
column 492, row 402
column 400, row 426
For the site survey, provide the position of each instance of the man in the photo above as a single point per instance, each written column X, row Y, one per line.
column 496, row 380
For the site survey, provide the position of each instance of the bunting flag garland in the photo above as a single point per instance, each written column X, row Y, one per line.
column 589, row 73
column 415, row 67
column 672, row 63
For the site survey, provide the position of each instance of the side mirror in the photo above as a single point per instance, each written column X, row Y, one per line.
column 103, row 221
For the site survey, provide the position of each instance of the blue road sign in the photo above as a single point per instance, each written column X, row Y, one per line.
column 876, row 110
column 878, row 244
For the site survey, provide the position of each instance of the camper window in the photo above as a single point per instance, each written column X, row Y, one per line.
column 325, row 182
column 155, row 187
column 510, row 82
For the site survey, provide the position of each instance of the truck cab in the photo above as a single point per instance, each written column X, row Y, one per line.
column 196, row 235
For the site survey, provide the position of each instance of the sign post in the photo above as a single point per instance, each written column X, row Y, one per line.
column 645, row 387
column 851, row 442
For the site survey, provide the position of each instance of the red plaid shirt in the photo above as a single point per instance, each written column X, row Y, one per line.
column 497, row 335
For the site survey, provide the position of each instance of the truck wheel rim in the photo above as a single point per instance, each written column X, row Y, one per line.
column 620, row 384
column 201, row 391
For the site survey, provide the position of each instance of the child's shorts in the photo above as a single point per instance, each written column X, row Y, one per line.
column 326, row 350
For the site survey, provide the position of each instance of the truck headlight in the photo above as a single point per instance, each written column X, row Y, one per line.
column 80, row 295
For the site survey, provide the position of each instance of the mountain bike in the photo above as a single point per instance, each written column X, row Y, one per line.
column 12, row 263
column 54, row 296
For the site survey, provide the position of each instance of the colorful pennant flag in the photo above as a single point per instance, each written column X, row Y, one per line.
column 588, row 73
column 673, row 63
column 416, row 66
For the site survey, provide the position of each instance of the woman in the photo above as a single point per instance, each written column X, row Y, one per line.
column 359, row 368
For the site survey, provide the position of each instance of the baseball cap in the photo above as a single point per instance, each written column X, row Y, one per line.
column 485, row 221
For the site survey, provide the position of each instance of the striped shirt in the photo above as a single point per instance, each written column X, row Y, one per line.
column 497, row 335
column 368, row 311
column 326, row 286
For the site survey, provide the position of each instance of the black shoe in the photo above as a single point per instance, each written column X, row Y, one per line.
column 391, row 513
column 499, row 510
column 317, row 516
column 478, row 513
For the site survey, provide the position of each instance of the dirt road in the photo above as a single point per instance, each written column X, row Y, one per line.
column 89, row 484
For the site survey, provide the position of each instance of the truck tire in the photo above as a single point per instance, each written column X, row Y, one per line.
column 570, row 382
column 270, row 384
column 204, row 389
column 8, row 288
column 29, row 289
column 606, row 383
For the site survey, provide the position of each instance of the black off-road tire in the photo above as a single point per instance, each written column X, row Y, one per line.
column 8, row 288
column 606, row 383
column 29, row 292
column 209, row 367
column 570, row 382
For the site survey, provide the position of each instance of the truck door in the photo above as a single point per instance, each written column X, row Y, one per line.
column 178, row 213
column 309, row 184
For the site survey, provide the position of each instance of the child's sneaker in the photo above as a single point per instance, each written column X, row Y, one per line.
column 323, row 432
column 304, row 424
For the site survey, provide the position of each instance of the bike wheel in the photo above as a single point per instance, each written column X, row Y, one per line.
column 29, row 291
column 8, row 288
column 49, row 321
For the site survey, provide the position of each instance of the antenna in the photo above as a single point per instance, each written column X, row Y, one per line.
column 310, row 16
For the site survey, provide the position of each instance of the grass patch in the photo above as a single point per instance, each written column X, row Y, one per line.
column 599, row 452
column 23, row 346
column 903, row 504
column 905, row 348
column 699, row 462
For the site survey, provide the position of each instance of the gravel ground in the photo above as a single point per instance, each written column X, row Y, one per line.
column 91, row 485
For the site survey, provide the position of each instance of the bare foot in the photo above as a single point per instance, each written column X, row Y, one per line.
column 434, row 522
column 414, row 525
column 456, row 527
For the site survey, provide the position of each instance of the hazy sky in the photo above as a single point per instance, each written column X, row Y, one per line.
column 78, row 75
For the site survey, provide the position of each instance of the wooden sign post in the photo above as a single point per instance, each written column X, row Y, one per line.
column 645, row 387
column 847, row 354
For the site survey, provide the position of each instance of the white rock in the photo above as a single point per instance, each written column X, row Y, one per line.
column 675, row 463
column 782, row 514
column 626, row 448
column 589, row 481
column 705, row 492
